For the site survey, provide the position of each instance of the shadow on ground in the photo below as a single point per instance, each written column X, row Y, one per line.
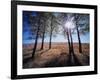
column 61, row 60
column 71, row 60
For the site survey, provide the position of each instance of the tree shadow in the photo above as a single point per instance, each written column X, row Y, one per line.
column 63, row 60
column 45, row 51
column 52, row 63
column 73, row 60
column 30, row 59
column 38, row 50
column 86, row 59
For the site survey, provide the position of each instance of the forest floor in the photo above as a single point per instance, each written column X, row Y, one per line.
column 57, row 56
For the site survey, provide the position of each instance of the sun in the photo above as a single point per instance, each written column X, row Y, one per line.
column 69, row 25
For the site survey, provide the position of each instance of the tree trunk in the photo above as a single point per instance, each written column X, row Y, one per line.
column 68, row 40
column 50, row 40
column 43, row 38
column 72, row 50
column 80, row 46
column 36, row 40
column 50, row 34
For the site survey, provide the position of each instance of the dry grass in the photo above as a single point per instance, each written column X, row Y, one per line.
column 57, row 56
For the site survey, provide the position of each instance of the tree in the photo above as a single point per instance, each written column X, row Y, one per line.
column 70, row 33
column 68, row 37
column 77, row 18
column 63, row 17
column 38, row 28
column 52, row 26
column 43, row 35
column 32, row 25
column 82, row 22
column 37, row 34
column 44, row 26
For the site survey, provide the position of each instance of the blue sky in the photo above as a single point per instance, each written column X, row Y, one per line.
column 59, row 38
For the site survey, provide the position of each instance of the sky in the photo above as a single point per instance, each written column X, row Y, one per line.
column 58, row 38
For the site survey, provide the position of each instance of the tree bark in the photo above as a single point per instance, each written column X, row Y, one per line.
column 80, row 46
column 43, row 38
column 68, row 41
column 72, row 49
column 77, row 18
column 50, row 40
column 50, row 34
column 36, row 40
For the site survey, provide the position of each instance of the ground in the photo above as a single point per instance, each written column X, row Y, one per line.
column 57, row 56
